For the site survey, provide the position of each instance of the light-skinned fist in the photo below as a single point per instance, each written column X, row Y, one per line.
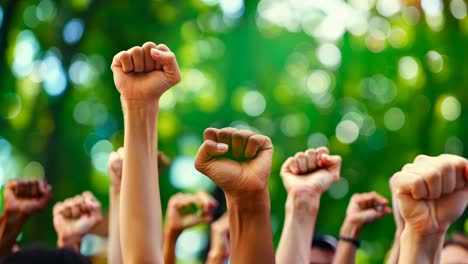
column 314, row 170
column 145, row 72
column 26, row 197
column 238, row 161
column 364, row 208
column 75, row 217
column 432, row 192
column 187, row 210
column 115, row 163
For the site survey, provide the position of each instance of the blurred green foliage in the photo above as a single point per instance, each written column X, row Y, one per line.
column 375, row 81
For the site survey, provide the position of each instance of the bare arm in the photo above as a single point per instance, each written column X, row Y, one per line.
column 142, row 75
column 114, row 252
column 179, row 217
column 305, row 176
column 219, row 248
column 22, row 199
column 432, row 193
column 301, row 215
column 363, row 208
column 243, row 178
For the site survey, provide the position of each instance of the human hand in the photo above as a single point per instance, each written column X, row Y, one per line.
column 26, row 197
column 432, row 192
column 238, row 161
column 145, row 72
column 314, row 170
column 114, row 166
column 187, row 210
column 75, row 217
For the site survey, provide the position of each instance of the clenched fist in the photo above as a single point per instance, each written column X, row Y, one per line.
column 432, row 192
column 115, row 163
column 364, row 208
column 238, row 161
column 75, row 217
column 145, row 72
column 26, row 197
column 315, row 170
column 180, row 215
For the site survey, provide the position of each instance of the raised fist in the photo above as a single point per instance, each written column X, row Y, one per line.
column 145, row 72
column 187, row 210
column 313, row 169
column 75, row 217
column 26, row 197
column 114, row 166
column 364, row 208
column 238, row 161
column 432, row 192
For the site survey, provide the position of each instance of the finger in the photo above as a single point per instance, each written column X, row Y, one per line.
column 35, row 190
column 407, row 183
column 258, row 145
column 169, row 63
column 430, row 176
column 209, row 150
column 138, row 59
column 208, row 202
column 330, row 160
column 58, row 207
column 191, row 220
column 126, row 61
column 320, row 152
column 150, row 64
column 163, row 47
column 239, row 140
column 449, row 181
column 290, row 165
column 210, row 133
column 301, row 162
column 311, row 159
column 370, row 215
column 224, row 135
column 116, row 61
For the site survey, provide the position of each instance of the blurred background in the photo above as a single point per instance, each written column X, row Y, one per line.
column 377, row 81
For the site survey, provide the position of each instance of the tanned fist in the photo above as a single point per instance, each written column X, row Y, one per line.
column 145, row 72
column 75, row 217
column 315, row 170
column 187, row 210
column 238, row 161
column 26, row 197
column 432, row 192
column 364, row 208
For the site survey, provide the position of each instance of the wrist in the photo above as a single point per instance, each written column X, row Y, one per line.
column 249, row 201
column 171, row 234
column 350, row 229
column 421, row 248
column 302, row 201
column 73, row 242
column 145, row 108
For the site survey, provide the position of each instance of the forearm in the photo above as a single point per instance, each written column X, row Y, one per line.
column 393, row 254
column 346, row 251
column 11, row 225
column 250, row 228
column 169, row 246
column 416, row 248
column 114, row 252
column 298, row 230
column 73, row 243
column 140, row 212
column 215, row 258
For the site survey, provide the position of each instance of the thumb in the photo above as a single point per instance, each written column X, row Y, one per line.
column 370, row 215
column 168, row 61
column 209, row 150
column 331, row 160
